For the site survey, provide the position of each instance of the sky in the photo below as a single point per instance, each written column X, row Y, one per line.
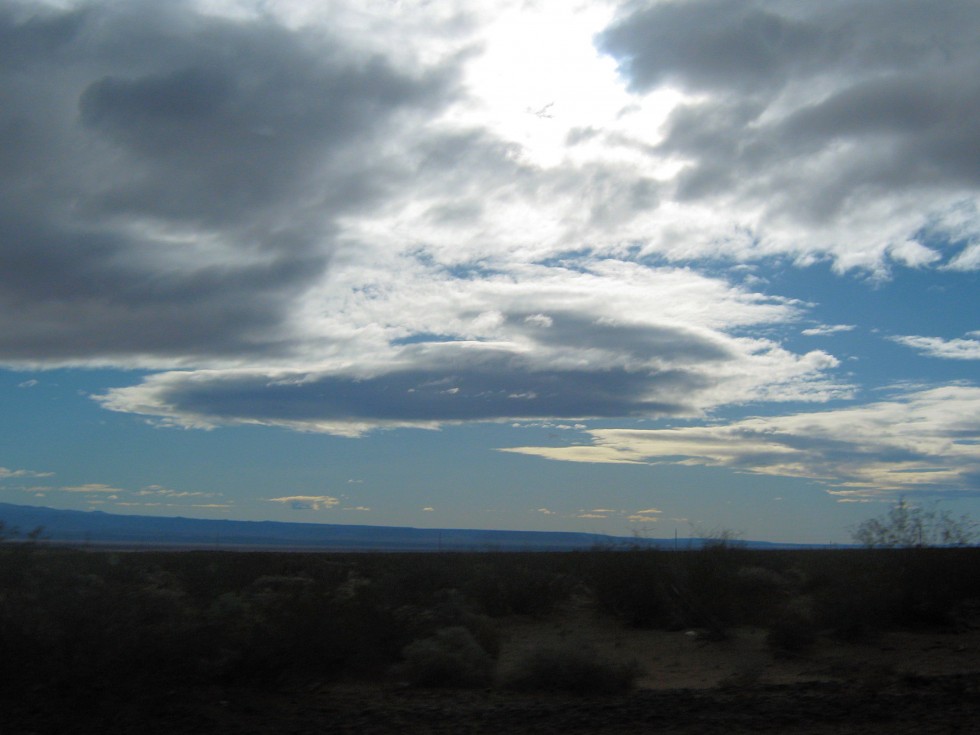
column 636, row 268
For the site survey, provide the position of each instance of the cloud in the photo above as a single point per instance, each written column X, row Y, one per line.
column 6, row 474
column 948, row 349
column 340, row 217
column 918, row 441
column 647, row 515
column 825, row 330
column 836, row 128
column 92, row 487
column 307, row 502
column 172, row 179
column 159, row 490
column 445, row 349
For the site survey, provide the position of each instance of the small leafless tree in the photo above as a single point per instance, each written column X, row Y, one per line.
column 907, row 525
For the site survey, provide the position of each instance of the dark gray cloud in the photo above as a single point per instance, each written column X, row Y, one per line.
column 762, row 46
column 457, row 385
column 714, row 45
column 559, row 363
column 643, row 342
column 169, row 181
column 811, row 110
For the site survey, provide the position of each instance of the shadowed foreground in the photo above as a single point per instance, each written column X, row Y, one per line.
column 933, row 705
column 721, row 639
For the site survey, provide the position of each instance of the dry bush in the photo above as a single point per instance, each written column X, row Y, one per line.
column 450, row 658
column 571, row 667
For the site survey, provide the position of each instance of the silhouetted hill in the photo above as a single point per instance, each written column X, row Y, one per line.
column 98, row 528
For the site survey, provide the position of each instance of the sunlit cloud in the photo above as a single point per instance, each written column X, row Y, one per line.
column 919, row 441
column 621, row 339
column 307, row 502
column 947, row 349
column 825, row 330
column 92, row 487
column 159, row 490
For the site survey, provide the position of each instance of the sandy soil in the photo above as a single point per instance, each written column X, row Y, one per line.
column 689, row 659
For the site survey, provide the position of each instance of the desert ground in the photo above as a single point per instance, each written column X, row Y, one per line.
column 914, row 674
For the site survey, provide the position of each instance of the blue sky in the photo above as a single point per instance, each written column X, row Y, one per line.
column 630, row 268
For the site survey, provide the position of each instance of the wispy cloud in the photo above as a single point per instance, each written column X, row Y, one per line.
column 92, row 487
column 825, row 330
column 161, row 491
column 918, row 441
column 8, row 474
column 947, row 349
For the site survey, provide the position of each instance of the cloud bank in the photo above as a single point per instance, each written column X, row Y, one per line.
column 171, row 180
column 571, row 344
column 918, row 441
column 850, row 124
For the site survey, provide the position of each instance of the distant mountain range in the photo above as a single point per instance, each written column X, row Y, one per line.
column 96, row 528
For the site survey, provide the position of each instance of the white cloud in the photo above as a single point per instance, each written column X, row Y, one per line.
column 948, row 349
column 584, row 338
column 307, row 502
column 6, row 474
column 161, row 491
column 825, row 330
column 925, row 440
column 92, row 487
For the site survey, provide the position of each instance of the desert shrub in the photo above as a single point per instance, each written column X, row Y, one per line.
column 632, row 586
column 448, row 609
column 571, row 667
column 759, row 594
column 703, row 587
column 911, row 526
column 518, row 584
column 860, row 591
column 791, row 634
column 451, row 657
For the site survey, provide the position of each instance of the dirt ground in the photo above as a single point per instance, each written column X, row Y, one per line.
column 924, row 682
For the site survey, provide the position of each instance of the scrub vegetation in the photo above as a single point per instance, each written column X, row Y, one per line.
column 77, row 624
column 73, row 619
